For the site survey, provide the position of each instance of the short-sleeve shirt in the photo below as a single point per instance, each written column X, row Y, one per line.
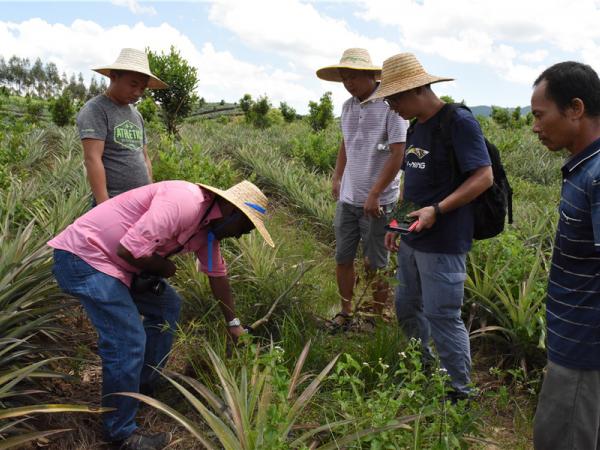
column 368, row 130
column 430, row 176
column 573, row 302
column 157, row 218
column 121, row 127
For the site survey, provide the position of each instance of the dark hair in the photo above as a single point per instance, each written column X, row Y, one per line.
column 568, row 80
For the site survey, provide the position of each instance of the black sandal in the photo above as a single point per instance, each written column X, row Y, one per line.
column 344, row 325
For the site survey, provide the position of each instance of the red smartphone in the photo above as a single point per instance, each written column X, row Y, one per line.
column 402, row 228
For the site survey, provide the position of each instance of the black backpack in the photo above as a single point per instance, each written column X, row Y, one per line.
column 492, row 206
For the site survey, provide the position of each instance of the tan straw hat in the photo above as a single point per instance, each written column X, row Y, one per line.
column 250, row 200
column 353, row 58
column 401, row 73
column 133, row 60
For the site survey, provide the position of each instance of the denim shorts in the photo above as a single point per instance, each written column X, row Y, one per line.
column 352, row 226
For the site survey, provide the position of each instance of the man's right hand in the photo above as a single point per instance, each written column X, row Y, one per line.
column 335, row 188
column 236, row 332
column 392, row 241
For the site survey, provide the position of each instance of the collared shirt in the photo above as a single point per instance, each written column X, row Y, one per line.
column 368, row 131
column 157, row 218
column 573, row 302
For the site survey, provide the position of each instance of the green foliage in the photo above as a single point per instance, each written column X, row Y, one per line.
column 34, row 110
column 176, row 161
column 288, row 113
column 147, row 108
column 257, row 112
column 62, row 110
column 317, row 150
column 507, row 119
column 178, row 99
column 406, row 391
column 447, row 99
column 320, row 115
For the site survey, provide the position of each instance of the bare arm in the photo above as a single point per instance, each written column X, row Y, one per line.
column 340, row 165
column 386, row 176
column 155, row 264
column 479, row 181
column 222, row 292
column 93, row 150
column 148, row 163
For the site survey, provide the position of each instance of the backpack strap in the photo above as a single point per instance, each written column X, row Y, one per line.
column 444, row 133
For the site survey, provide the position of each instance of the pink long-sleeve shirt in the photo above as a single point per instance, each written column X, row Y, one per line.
column 156, row 218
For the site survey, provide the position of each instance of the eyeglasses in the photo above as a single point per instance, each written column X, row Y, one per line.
column 390, row 99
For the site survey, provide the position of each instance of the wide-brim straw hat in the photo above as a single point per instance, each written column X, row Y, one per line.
column 250, row 200
column 353, row 58
column 401, row 73
column 133, row 60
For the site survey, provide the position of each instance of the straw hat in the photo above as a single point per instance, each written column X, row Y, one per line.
column 250, row 200
column 353, row 58
column 133, row 60
column 401, row 73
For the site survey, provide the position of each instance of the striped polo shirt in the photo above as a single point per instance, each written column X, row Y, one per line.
column 368, row 130
column 573, row 303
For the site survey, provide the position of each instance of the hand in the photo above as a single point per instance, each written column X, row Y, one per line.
column 392, row 241
column 236, row 332
column 372, row 207
column 425, row 216
column 335, row 188
column 168, row 269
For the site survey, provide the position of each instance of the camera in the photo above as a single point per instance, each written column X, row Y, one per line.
column 145, row 282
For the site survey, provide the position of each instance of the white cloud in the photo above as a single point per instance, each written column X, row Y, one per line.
column 489, row 33
column 85, row 44
column 294, row 30
column 135, row 7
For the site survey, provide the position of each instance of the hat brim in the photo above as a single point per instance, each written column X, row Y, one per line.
column 153, row 81
column 332, row 73
column 395, row 87
column 254, row 216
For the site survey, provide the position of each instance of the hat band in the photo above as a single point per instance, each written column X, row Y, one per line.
column 256, row 207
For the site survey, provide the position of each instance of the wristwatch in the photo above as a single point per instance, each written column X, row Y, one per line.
column 436, row 208
column 234, row 323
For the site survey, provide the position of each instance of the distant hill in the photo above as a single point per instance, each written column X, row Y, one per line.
column 486, row 111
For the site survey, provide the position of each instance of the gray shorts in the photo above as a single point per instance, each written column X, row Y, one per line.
column 568, row 410
column 351, row 226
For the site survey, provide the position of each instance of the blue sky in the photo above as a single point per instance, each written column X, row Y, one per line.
column 493, row 49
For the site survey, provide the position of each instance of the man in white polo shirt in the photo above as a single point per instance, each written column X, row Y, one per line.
column 366, row 178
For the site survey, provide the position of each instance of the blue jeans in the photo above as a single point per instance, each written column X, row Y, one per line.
column 429, row 297
column 129, row 346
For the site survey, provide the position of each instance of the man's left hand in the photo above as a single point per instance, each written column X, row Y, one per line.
column 425, row 216
column 372, row 207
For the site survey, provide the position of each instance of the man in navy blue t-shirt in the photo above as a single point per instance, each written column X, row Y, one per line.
column 566, row 110
column 432, row 258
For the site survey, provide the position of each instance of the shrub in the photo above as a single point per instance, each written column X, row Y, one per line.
column 288, row 113
column 178, row 99
column 147, row 108
column 320, row 114
column 62, row 110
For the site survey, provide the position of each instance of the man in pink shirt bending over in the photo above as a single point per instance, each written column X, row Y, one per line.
column 114, row 259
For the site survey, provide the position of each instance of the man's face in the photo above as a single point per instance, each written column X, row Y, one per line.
column 359, row 83
column 234, row 225
column 403, row 103
column 555, row 128
column 127, row 87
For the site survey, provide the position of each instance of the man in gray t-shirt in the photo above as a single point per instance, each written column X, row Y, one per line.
column 112, row 130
